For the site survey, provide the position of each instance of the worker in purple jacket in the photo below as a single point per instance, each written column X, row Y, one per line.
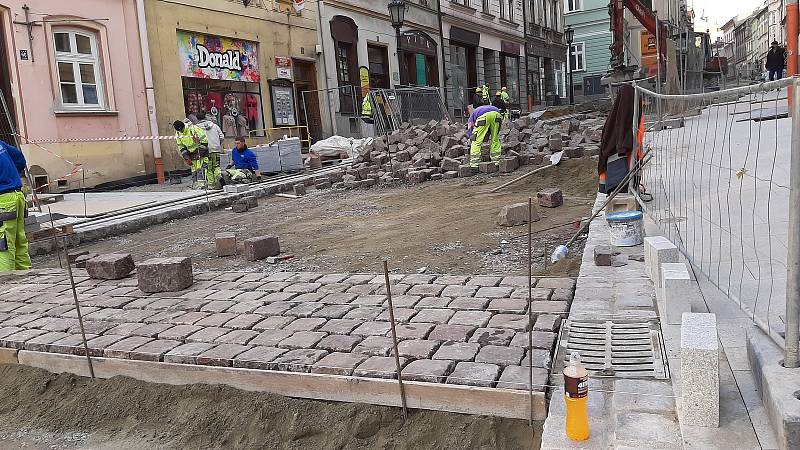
column 484, row 121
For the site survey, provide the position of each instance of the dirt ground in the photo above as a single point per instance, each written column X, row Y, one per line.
column 443, row 227
column 40, row 410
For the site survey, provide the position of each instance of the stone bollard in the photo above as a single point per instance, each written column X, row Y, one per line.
column 165, row 274
column 699, row 402
column 111, row 266
column 658, row 250
column 676, row 292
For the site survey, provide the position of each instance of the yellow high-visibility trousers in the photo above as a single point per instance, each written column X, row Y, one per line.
column 12, row 228
column 488, row 124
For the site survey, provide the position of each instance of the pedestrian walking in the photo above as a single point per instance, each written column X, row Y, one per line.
column 776, row 60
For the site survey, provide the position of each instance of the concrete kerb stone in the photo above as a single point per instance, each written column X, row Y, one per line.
column 676, row 292
column 658, row 250
column 699, row 380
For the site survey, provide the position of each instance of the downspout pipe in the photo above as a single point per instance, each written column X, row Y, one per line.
column 148, row 89
column 442, row 69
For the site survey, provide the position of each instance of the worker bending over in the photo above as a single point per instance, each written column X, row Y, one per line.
column 13, row 242
column 193, row 146
column 244, row 164
column 484, row 121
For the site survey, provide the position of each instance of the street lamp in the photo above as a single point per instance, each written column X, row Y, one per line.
column 397, row 12
column 569, row 34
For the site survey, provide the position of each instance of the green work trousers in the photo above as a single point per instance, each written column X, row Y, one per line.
column 487, row 124
column 12, row 227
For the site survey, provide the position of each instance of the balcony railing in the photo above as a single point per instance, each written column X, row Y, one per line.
column 534, row 30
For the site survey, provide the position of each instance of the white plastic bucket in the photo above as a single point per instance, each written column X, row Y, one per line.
column 626, row 228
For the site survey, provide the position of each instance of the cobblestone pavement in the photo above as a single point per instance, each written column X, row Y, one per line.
column 467, row 330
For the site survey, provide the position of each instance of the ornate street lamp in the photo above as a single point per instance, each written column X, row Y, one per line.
column 397, row 12
column 569, row 34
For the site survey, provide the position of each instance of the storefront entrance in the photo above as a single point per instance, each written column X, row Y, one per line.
column 420, row 56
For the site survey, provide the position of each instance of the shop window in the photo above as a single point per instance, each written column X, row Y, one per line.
column 343, row 51
column 78, row 70
column 235, row 106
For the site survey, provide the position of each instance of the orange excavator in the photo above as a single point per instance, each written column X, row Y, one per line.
column 648, row 19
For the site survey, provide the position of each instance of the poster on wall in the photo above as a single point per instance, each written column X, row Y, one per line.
column 363, row 76
column 283, row 113
column 283, row 67
column 217, row 58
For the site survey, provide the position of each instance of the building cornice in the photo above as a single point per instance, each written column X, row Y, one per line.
column 466, row 24
column 385, row 17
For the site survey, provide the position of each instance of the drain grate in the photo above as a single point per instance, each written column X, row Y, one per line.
column 619, row 348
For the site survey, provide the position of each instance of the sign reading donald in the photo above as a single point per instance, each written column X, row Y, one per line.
column 217, row 58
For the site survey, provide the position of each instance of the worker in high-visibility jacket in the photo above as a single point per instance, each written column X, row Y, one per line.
column 505, row 97
column 366, row 109
column 13, row 242
column 485, row 95
column 193, row 147
column 484, row 122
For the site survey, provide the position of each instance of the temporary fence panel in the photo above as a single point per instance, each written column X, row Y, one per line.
column 339, row 112
column 393, row 107
column 720, row 184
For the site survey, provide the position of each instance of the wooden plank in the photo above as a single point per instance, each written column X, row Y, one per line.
column 433, row 396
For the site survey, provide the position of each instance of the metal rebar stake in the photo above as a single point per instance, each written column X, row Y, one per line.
column 530, row 312
column 75, row 297
column 394, row 340
column 55, row 238
column 793, row 266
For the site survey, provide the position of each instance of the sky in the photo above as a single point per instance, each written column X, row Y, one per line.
column 717, row 12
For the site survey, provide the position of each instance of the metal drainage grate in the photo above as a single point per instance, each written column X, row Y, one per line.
column 619, row 348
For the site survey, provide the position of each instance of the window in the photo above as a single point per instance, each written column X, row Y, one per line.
column 503, row 11
column 343, row 62
column 578, row 60
column 486, row 8
column 78, row 68
column 573, row 5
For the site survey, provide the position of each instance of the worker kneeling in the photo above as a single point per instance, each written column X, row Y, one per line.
column 244, row 166
column 13, row 242
column 484, row 121
column 193, row 146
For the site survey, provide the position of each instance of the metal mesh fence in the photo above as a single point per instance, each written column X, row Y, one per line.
column 334, row 111
column 414, row 105
column 719, row 182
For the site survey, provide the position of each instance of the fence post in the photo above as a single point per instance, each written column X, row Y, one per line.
column 793, row 268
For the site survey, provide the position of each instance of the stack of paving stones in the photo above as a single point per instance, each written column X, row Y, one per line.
column 452, row 329
column 439, row 150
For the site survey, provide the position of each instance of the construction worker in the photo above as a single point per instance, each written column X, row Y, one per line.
column 366, row 109
column 500, row 104
column 13, row 242
column 477, row 98
column 244, row 165
column 193, row 147
column 484, row 121
column 485, row 94
column 505, row 97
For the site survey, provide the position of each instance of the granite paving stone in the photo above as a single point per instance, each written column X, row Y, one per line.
column 98, row 344
column 221, row 355
column 271, row 338
column 93, row 327
column 375, row 345
column 304, row 277
column 503, row 305
column 332, row 311
column 472, row 318
column 332, row 278
column 312, row 297
column 517, row 281
column 457, row 351
column 452, row 279
column 248, row 296
column 333, row 288
column 452, row 333
column 273, row 323
column 372, row 328
column 215, row 319
column 153, row 350
column 338, row 298
column 540, row 339
column 279, row 276
column 341, row 326
column 495, row 292
column 474, row 374
column 302, row 288
column 339, row 343
column 305, row 324
column 151, row 329
column 278, row 297
column 413, row 330
column 380, row 279
column 433, row 302
column 516, row 322
column 299, row 360
column 550, row 307
column 179, row 332
column 190, row 304
column 207, row 334
column 135, row 315
column 541, row 358
column 122, row 348
column 542, row 294
column 272, row 309
column 430, row 370
column 187, row 353
column 503, row 356
column 274, row 286
column 418, row 278
column 244, row 321
column 469, row 303
column 302, row 339
column 363, row 289
column 556, row 283
column 397, row 289
column 258, row 357
column 42, row 342
column 225, row 294
column 304, row 309
column 427, row 290
column 125, row 329
column 20, row 320
column 379, row 367
column 403, row 301
column 517, row 377
column 417, row 348
column 492, row 336
column 241, row 337
column 400, row 314
column 338, row 363
column 162, row 316
column 433, row 315
column 189, row 318
column 69, row 344
column 459, row 291
column 484, row 280
column 369, row 300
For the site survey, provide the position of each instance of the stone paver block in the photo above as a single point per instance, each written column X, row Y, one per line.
column 339, row 343
column 457, row 351
column 364, row 313
column 471, row 303
column 273, row 323
column 272, row 309
column 541, row 339
column 472, row 318
column 187, row 353
column 207, row 334
column 299, row 360
column 562, row 295
column 537, row 293
column 417, row 348
column 333, row 288
column 42, row 342
column 484, row 280
column 550, row 197
column 369, row 300
column 165, row 274
column 153, row 350
column 516, row 322
column 225, row 244
column 111, row 266
column 547, row 322
column 495, row 292
column 699, row 380
column 429, row 370
column 379, row 367
column 305, row 324
column 541, row 358
column 240, row 337
column 302, row 339
column 122, row 348
column 151, row 329
column 413, row 330
column 215, row 320
column 332, row 311
column 459, row 291
column 312, row 297
column 363, row 289
column 93, row 327
column 519, row 305
column 400, row 314
column 433, row 315
column 338, row 363
column 221, row 355
column 474, row 374
column 427, row 290
column 418, row 278
column 340, row 326
column 517, row 281
column 433, row 302
column 375, row 345
column 372, row 329
column 517, row 377
column 656, row 430
column 258, row 358
column 217, row 306
column 261, row 247
column 556, row 283
column 333, row 278
column 271, row 338
column 516, row 214
column 397, row 289
column 179, row 332
column 492, row 336
column 452, row 279
column 69, row 345
column 338, row 298
column 189, row 318
column 504, row 356
column 302, row 288
column 304, row 309
column 244, row 321
column 451, row 333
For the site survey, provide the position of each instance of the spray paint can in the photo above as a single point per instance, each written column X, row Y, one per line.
column 576, row 395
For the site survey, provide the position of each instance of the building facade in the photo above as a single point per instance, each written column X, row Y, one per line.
column 243, row 66
column 546, row 51
column 742, row 41
column 359, row 49
column 590, row 46
column 484, row 43
column 68, row 75
column 729, row 43
column 759, row 40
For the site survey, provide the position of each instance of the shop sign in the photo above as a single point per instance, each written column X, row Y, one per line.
column 283, row 67
column 417, row 42
column 217, row 58
column 299, row 5
column 509, row 48
column 363, row 75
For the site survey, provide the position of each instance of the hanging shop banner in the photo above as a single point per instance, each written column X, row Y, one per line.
column 363, row 76
column 217, row 58
column 283, row 67
column 299, row 5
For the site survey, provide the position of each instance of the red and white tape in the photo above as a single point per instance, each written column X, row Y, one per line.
column 99, row 139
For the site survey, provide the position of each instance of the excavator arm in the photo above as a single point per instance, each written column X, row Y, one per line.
column 616, row 9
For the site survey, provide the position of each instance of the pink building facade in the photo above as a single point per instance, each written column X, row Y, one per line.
column 74, row 70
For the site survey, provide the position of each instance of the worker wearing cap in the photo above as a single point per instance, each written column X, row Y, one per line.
column 484, row 121
column 13, row 242
column 477, row 98
column 193, row 146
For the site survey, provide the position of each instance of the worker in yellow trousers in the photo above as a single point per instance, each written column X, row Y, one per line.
column 13, row 242
column 484, row 122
